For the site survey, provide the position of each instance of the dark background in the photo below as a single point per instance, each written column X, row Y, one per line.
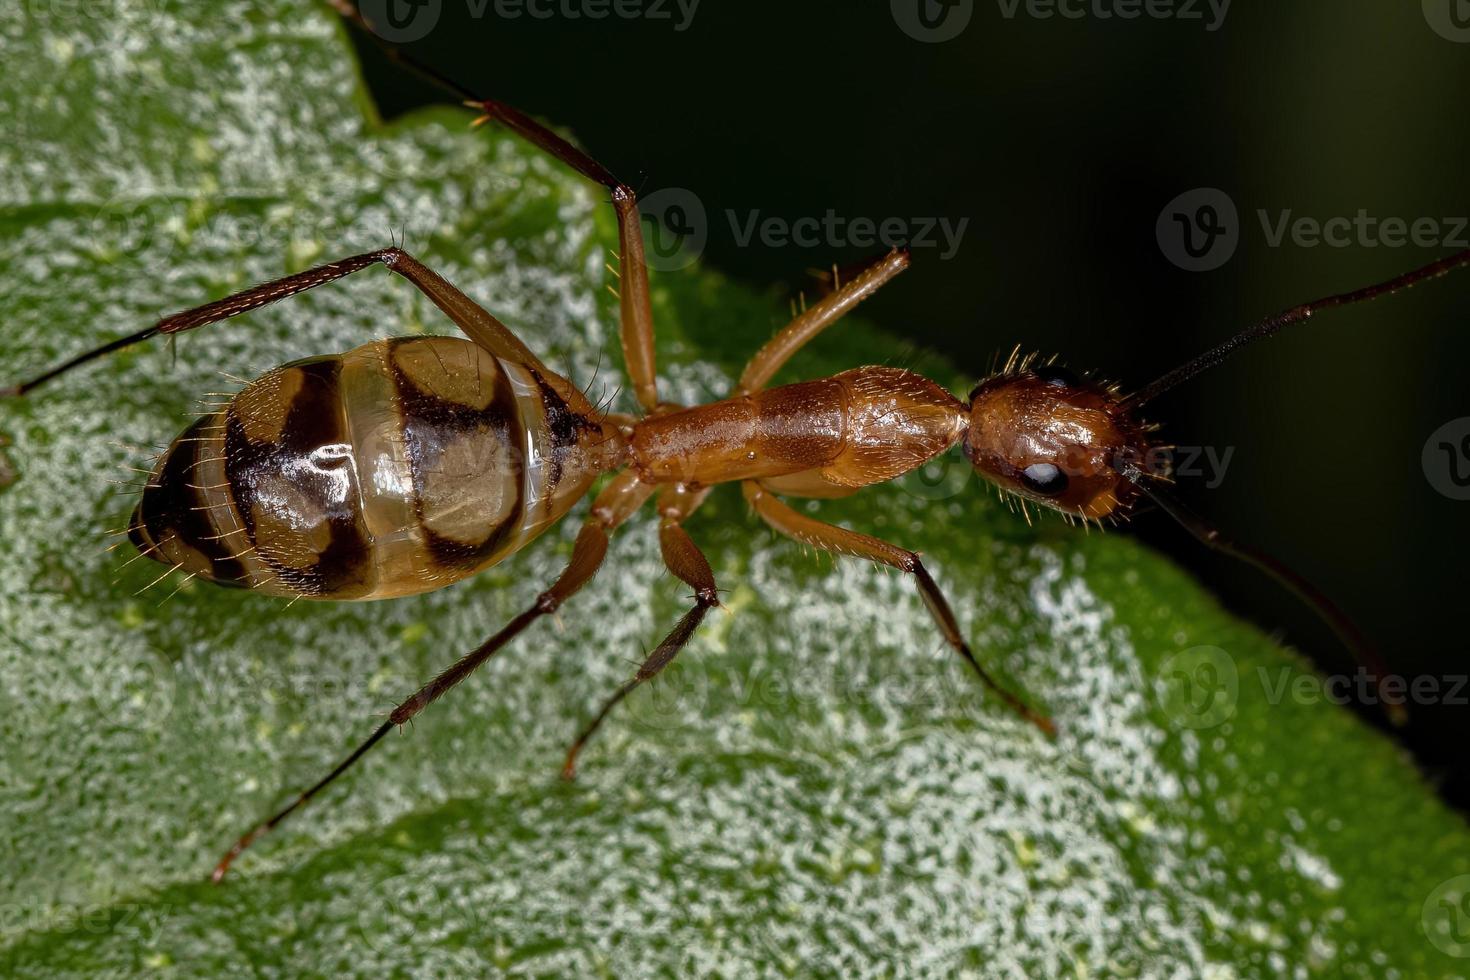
column 1062, row 140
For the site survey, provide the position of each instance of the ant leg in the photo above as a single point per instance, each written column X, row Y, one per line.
column 612, row 507
column 687, row 562
column 477, row 323
column 841, row 541
column 637, row 312
column 778, row 350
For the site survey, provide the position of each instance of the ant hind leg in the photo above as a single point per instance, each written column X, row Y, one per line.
column 612, row 507
column 682, row 557
column 477, row 323
column 633, row 295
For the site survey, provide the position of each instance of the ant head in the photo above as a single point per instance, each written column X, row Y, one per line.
column 1046, row 435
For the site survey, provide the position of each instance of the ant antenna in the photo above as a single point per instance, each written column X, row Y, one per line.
column 1297, row 314
column 348, row 10
column 1211, row 537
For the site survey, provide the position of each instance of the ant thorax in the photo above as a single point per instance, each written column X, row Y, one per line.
column 1045, row 435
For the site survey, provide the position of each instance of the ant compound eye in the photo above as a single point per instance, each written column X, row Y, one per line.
column 1045, row 479
column 1056, row 376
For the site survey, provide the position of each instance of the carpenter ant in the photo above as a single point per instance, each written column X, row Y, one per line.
column 405, row 465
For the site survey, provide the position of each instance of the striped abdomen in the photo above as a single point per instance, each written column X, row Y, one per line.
column 396, row 468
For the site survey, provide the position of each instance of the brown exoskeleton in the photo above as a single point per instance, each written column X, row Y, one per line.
column 405, row 465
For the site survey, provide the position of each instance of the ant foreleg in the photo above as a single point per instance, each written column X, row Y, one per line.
column 841, row 541
column 477, row 323
column 682, row 557
column 637, row 311
column 799, row 332
column 613, row 506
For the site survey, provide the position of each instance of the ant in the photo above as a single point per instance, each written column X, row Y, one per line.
column 405, row 465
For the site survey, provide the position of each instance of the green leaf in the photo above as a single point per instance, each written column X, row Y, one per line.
column 818, row 786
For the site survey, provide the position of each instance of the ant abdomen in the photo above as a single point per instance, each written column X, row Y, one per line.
column 393, row 469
